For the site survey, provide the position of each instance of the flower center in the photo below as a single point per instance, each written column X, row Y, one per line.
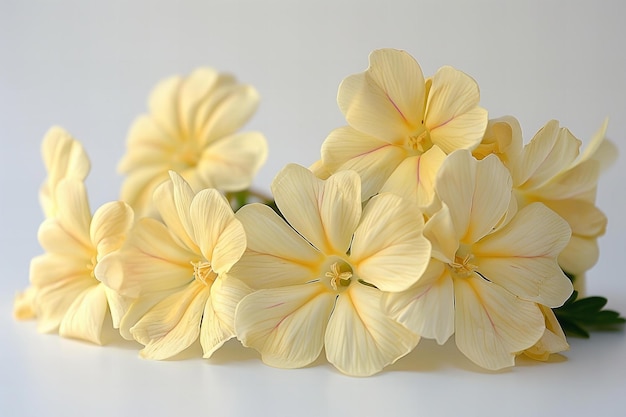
column 202, row 272
column 462, row 266
column 186, row 157
column 339, row 274
column 419, row 142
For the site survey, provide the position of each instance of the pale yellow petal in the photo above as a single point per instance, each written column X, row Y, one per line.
column 233, row 110
column 427, row 308
column 151, row 261
column 138, row 187
column 74, row 214
column 84, row 318
column 320, row 170
column 118, row 305
column 166, row 206
column 276, row 255
column 324, row 212
column 183, row 196
column 386, row 101
column 23, row 305
column 503, row 137
column 361, row 339
column 231, row 163
column 415, row 178
column 173, row 324
column 492, row 325
column 552, row 341
column 221, row 237
column 218, row 319
column 194, row 89
column 110, row 226
column 584, row 218
column 286, row 325
column 146, row 145
column 389, row 250
column 492, row 195
column 574, row 183
column 373, row 159
column 601, row 149
column 550, row 151
column 439, row 230
column 53, row 301
column 579, row 255
column 140, row 306
column 163, row 105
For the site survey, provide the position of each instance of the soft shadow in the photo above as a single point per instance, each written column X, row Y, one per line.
column 233, row 351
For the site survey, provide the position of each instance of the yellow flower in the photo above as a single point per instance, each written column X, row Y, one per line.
column 400, row 122
column 319, row 276
column 191, row 130
column 550, row 170
column 176, row 272
column 491, row 269
column 68, row 294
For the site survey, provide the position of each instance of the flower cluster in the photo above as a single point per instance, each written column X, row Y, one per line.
column 423, row 218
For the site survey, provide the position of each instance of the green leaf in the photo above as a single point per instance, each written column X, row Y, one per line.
column 578, row 316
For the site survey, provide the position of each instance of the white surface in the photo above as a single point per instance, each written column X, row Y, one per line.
column 89, row 68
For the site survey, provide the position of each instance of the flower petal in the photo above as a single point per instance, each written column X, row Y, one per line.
column 109, row 226
column 163, row 105
column 415, row 178
column 492, row 325
column 173, row 324
column 137, row 189
column 23, row 306
column 183, row 196
column 389, row 250
column 84, row 318
column 221, row 237
column 231, row 162
column 361, row 340
column 452, row 115
column 386, row 101
column 218, row 319
column 427, row 308
column 552, row 341
column 286, row 325
column 579, row 255
column 276, row 255
column 165, row 203
column 73, row 209
column 324, row 212
column 373, row 159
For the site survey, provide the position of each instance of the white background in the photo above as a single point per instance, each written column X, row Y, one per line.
column 89, row 67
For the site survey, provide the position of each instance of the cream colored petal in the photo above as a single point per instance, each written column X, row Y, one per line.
column 193, row 91
column 221, row 237
column 166, row 206
column 574, row 183
column 492, row 195
column 53, row 301
column 389, row 250
column 234, row 109
column 74, row 213
column 55, row 239
column 601, row 149
column 324, row 212
column 276, row 255
column 386, row 101
column 218, row 320
column 373, row 159
column 455, row 186
column 110, row 226
column 163, row 104
column 440, row 232
column 140, row 306
column 183, row 196
column 552, row 341
column 151, row 261
column 492, row 325
column 584, row 218
column 503, row 137
column 521, row 256
column 231, row 163
column 427, row 308
column 361, row 339
column 23, row 305
column 286, row 325
column 415, row 178
column 550, row 151
column 146, row 144
column 173, row 324
column 320, row 170
column 452, row 114
column 118, row 305
column 86, row 315
column 579, row 255
column 51, row 269
column 139, row 186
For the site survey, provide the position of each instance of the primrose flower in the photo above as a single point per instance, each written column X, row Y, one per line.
column 402, row 126
column 68, row 294
column 550, row 170
column 491, row 270
column 176, row 272
column 319, row 273
column 191, row 130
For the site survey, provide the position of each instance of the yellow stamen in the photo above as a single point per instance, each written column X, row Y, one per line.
column 338, row 278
